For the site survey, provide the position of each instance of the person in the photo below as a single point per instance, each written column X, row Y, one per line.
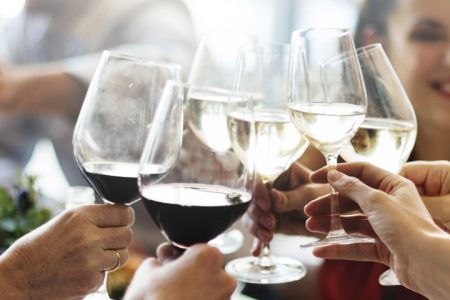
column 197, row 274
column 50, row 53
column 413, row 245
column 414, row 34
column 67, row 257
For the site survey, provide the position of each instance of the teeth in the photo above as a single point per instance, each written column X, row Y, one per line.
column 445, row 87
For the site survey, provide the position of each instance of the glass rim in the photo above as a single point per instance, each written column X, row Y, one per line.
column 204, row 88
column 305, row 32
column 114, row 54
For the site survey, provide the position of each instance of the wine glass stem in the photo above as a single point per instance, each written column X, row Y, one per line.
column 336, row 228
column 265, row 259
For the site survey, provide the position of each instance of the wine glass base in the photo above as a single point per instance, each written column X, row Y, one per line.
column 339, row 240
column 229, row 241
column 284, row 270
column 388, row 278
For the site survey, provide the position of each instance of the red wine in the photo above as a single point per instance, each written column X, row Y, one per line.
column 192, row 213
column 113, row 182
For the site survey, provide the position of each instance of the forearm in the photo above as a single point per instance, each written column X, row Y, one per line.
column 431, row 275
column 52, row 92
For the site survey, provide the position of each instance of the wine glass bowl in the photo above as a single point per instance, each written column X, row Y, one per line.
column 195, row 198
column 388, row 133
column 114, row 121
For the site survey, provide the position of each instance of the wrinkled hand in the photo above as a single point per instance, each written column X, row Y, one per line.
column 393, row 213
column 432, row 180
column 66, row 258
column 279, row 208
column 197, row 274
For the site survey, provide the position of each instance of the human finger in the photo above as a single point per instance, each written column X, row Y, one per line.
column 296, row 175
column 296, row 199
column 115, row 237
column 369, row 174
column 166, row 252
column 374, row 252
column 107, row 215
column 256, row 229
column 114, row 259
column 321, row 206
column 431, row 177
column 354, row 224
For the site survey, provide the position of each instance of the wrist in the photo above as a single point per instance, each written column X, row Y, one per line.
column 10, row 284
column 430, row 273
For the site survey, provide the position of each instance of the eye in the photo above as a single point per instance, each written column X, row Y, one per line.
column 428, row 36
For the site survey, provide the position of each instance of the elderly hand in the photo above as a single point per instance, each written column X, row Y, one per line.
column 393, row 213
column 279, row 208
column 197, row 274
column 67, row 257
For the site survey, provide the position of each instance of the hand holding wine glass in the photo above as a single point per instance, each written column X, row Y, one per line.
column 327, row 101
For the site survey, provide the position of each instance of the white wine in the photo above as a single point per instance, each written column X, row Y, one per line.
column 382, row 142
column 277, row 142
column 207, row 118
column 327, row 126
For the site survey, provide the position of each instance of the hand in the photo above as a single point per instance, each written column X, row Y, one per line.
column 67, row 257
column 432, row 180
column 279, row 208
column 197, row 274
column 393, row 214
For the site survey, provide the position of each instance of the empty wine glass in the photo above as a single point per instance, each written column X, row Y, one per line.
column 327, row 103
column 188, row 204
column 388, row 133
column 214, row 66
column 262, row 71
column 114, row 121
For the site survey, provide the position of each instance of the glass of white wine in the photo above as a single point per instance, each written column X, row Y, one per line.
column 388, row 133
column 262, row 72
column 214, row 65
column 327, row 103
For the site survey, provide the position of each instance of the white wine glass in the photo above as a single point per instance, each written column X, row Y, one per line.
column 262, row 71
column 327, row 103
column 388, row 133
column 214, row 66
column 188, row 205
column 114, row 120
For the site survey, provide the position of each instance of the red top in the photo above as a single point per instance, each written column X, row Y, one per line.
column 352, row 280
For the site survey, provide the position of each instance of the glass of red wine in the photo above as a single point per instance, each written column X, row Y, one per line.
column 114, row 122
column 193, row 200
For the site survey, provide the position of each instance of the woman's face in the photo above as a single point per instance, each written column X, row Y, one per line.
column 418, row 44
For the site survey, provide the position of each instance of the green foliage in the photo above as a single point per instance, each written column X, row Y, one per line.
column 19, row 213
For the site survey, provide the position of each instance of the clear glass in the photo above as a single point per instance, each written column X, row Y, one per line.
column 214, row 66
column 114, row 121
column 192, row 196
column 388, row 133
column 327, row 103
column 262, row 72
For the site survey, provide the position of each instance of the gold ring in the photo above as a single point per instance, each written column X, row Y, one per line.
column 117, row 264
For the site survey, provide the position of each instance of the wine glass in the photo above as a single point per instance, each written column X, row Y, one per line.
column 262, row 71
column 114, row 121
column 214, row 66
column 327, row 103
column 388, row 133
column 187, row 204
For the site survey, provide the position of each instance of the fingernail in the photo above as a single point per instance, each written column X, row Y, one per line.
column 334, row 176
column 262, row 235
column 278, row 201
column 264, row 205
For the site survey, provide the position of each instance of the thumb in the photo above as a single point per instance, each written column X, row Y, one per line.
column 285, row 201
column 352, row 188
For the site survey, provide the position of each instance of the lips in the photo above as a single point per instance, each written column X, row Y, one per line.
column 442, row 87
